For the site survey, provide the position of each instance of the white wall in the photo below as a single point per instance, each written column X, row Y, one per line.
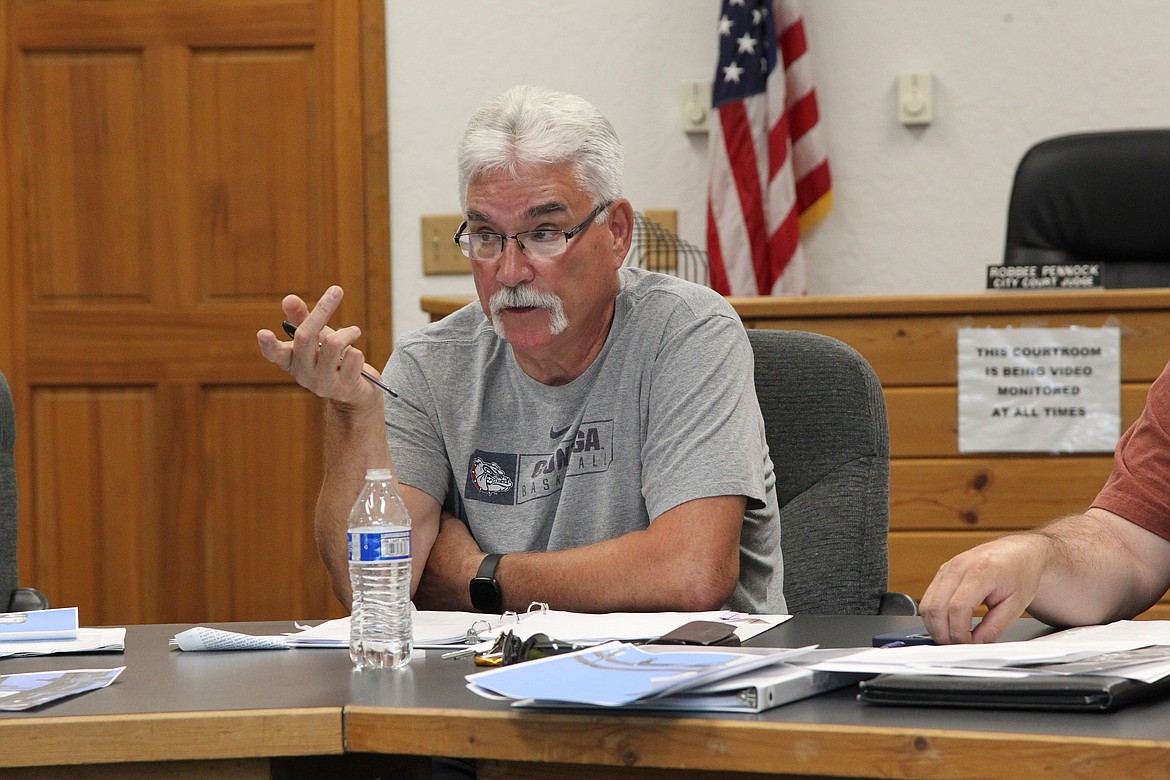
column 916, row 210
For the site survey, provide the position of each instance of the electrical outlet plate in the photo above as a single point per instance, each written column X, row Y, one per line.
column 440, row 254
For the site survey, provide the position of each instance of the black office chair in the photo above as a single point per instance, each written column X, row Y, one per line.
column 825, row 418
column 12, row 598
column 1095, row 197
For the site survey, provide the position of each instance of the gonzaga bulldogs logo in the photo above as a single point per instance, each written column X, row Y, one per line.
column 489, row 477
column 516, row 478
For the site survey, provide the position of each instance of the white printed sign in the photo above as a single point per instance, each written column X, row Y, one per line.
column 1039, row 389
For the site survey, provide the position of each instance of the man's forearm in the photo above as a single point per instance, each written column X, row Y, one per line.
column 612, row 577
column 1095, row 571
column 355, row 441
column 688, row 559
column 1058, row 569
column 602, row 577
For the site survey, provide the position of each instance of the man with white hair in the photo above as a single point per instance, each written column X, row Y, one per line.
column 585, row 435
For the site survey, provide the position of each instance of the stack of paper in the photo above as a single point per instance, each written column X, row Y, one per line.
column 660, row 678
column 430, row 629
column 89, row 640
column 588, row 628
column 51, row 631
column 1138, row 650
column 442, row 629
column 38, row 625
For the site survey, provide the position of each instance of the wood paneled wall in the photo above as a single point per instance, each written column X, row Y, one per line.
column 171, row 170
column 942, row 502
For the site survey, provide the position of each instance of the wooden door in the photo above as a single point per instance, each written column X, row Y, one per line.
column 172, row 169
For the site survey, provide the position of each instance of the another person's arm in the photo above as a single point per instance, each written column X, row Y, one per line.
column 1111, row 562
column 1090, row 568
column 687, row 559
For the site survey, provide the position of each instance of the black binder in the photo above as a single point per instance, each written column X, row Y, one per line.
column 1082, row 692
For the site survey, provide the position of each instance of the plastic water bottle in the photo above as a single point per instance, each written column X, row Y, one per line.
column 380, row 631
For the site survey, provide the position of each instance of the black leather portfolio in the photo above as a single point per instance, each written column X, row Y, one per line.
column 1083, row 692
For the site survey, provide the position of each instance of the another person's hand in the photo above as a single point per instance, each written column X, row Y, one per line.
column 321, row 359
column 1003, row 574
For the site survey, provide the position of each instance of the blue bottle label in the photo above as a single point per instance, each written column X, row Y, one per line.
column 378, row 546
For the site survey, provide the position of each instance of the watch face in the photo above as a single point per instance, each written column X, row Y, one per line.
column 486, row 595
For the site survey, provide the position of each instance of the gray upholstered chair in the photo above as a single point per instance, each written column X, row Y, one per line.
column 12, row 598
column 825, row 417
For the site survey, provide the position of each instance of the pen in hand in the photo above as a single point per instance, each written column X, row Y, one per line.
column 291, row 330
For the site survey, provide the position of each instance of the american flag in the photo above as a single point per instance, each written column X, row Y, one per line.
column 769, row 170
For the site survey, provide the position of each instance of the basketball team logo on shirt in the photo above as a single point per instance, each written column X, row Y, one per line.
column 491, row 477
column 515, row 478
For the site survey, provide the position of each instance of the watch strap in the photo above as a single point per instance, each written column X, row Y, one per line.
column 486, row 594
column 487, row 567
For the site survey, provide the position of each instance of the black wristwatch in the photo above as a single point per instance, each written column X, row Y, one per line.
column 486, row 595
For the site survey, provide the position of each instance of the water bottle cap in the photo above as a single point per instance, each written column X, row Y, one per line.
column 379, row 475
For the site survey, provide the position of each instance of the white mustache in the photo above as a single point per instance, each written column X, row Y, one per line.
column 523, row 296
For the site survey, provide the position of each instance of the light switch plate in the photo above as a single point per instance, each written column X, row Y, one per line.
column 916, row 97
column 694, row 105
column 440, row 253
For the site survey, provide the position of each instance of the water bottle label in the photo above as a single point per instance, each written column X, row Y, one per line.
column 372, row 547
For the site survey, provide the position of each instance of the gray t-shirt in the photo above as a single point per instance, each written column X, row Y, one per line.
column 666, row 414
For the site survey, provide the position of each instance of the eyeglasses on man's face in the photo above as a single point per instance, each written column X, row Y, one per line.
column 486, row 245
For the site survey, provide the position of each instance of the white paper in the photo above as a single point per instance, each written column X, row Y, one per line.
column 202, row 638
column 1009, row 659
column 432, row 628
column 588, row 628
column 1147, row 632
column 89, row 640
column 438, row 628
column 1039, row 389
column 442, row 629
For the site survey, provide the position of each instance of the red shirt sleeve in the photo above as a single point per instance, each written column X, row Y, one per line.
column 1139, row 487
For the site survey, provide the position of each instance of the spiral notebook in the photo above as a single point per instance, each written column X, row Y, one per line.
column 586, row 628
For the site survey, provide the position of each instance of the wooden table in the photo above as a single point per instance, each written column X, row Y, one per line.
column 204, row 714
column 292, row 713
column 828, row 736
